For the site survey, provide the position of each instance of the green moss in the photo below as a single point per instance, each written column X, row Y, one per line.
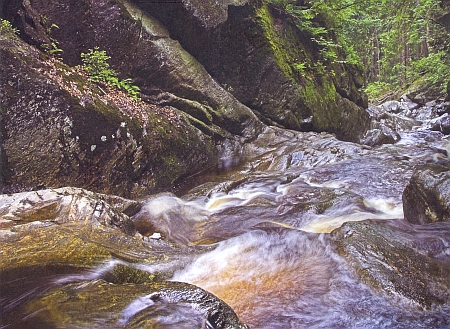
column 290, row 56
column 121, row 274
column 267, row 22
column 321, row 98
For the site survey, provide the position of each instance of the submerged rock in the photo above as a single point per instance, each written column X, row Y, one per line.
column 426, row 198
column 151, row 305
column 399, row 259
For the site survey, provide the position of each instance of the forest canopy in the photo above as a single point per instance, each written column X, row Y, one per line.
column 395, row 42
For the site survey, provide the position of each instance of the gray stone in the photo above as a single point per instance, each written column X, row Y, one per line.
column 399, row 260
column 426, row 199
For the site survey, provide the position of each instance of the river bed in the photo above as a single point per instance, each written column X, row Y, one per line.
column 260, row 229
column 277, row 268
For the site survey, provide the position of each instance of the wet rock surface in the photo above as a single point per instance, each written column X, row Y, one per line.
column 426, row 199
column 149, row 305
column 51, row 238
column 65, row 205
column 385, row 135
column 390, row 118
column 399, row 259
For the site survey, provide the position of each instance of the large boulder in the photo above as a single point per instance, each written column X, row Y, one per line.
column 141, row 48
column 262, row 58
column 378, row 136
column 441, row 124
column 426, row 199
column 58, row 129
column 238, row 44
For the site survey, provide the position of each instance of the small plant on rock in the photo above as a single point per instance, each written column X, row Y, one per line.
column 96, row 66
column 7, row 28
column 51, row 48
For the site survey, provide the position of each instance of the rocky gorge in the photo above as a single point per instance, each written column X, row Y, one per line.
column 236, row 193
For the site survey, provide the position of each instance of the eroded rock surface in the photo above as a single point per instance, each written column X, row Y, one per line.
column 65, row 205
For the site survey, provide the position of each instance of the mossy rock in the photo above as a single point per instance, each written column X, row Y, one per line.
column 268, row 64
column 426, row 199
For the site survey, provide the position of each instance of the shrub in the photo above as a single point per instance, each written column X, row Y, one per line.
column 51, row 48
column 96, row 66
column 434, row 68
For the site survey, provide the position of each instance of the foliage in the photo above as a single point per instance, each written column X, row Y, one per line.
column 435, row 69
column 394, row 41
column 316, row 20
column 132, row 90
column 377, row 89
column 96, row 66
column 396, row 38
column 300, row 67
column 7, row 28
column 52, row 48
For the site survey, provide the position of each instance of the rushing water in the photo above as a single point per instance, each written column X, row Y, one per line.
column 274, row 264
column 267, row 222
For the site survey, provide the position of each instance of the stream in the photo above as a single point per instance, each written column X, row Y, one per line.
column 264, row 221
column 277, row 268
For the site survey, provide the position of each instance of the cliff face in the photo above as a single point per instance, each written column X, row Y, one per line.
column 255, row 53
column 209, row 74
